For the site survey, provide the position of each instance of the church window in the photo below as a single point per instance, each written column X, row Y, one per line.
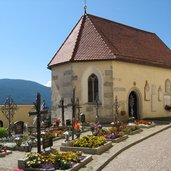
column 92, row 88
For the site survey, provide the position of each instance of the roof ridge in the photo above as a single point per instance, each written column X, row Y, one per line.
column 131, row 27
column 78, row 37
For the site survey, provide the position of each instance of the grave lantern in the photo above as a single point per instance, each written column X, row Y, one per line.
column 82, row 118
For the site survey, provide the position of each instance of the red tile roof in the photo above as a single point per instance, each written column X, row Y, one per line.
column 95, row 38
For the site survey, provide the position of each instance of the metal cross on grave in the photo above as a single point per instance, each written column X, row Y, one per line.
column 38, row 113
column 116, row 106
column 75, row 105
column 62, row 106
column 9, row 109
column 78, row 107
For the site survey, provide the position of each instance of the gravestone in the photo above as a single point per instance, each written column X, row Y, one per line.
column 47, row 142
column 19, row 127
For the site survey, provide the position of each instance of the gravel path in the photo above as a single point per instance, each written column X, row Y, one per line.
column 153, row 154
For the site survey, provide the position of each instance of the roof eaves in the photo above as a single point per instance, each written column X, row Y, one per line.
column 142, row 61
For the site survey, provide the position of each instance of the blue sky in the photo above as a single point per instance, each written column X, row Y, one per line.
column 31, row 31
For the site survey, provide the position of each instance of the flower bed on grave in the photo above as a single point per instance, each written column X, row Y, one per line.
column 116, row 137
column 88, row 145
column 19, row 143
column 56, row 134
column 54, row 160
column 112, row 134
column 4, row 151
column 144, row 124
column 131, row 129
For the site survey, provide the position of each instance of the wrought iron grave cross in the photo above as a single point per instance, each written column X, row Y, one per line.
column 9, row 109
column 116, row 106
column 38, row 113
column 62, row 106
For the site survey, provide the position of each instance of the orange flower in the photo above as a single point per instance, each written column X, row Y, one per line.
column 76, row 126
column 143, row 122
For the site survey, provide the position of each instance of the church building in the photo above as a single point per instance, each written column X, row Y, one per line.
column 104, row 61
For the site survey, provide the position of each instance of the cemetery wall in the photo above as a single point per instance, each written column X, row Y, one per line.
column 20, row 115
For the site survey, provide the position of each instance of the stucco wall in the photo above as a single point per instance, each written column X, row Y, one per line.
column 115, row 79
column 128, row 77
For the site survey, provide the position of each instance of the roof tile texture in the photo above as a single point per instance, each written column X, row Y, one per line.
column 95, row 38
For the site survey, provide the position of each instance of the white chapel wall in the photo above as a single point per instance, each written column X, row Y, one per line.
column 129, row 76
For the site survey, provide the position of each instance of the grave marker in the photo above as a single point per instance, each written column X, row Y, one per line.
column 38, row 113
column 19, row 127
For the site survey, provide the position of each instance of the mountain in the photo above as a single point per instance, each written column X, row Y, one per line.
column 23, row 92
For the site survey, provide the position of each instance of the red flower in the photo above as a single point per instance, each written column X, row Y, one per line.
column 57, row 120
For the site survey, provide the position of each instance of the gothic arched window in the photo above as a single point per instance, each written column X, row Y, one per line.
column 92, row 88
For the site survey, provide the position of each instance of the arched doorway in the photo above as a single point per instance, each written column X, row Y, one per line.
column 1, row 123
column 134, row 105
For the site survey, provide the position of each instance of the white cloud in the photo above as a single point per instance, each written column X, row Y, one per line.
column 48, row 84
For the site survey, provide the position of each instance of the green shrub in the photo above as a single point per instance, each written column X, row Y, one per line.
column 3, row 132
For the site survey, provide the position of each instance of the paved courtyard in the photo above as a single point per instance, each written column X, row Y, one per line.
column 153, row 154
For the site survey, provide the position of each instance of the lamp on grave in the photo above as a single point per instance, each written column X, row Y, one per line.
column 8, row 109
